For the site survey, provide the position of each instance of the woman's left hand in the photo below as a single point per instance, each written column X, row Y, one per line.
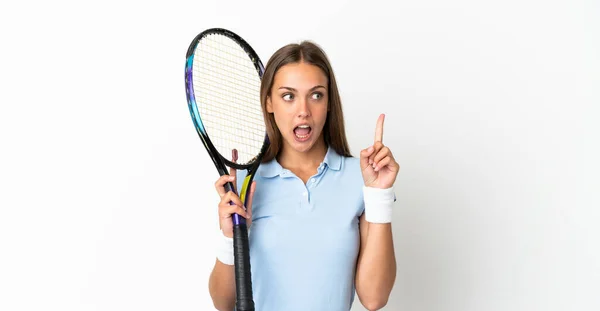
column 379, row 169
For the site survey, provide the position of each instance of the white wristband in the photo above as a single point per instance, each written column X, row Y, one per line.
column 225, row 249
column 378, row 204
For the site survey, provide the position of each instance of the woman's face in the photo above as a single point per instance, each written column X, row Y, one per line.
column 299, row 103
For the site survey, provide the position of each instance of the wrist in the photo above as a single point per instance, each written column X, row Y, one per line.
column 224, row 249
column 378, row 204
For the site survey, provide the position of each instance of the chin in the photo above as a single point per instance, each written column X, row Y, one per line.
column 303, row 147
column 300, row 145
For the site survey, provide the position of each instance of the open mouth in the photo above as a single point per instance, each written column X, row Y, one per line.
column 302, row 132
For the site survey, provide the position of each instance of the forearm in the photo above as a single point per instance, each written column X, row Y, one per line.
column 222, row 286
column 222, row 279
column 376, row 267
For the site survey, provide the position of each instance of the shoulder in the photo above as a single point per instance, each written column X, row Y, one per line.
column 348, row 186
column 351, row 163
column 350, row 166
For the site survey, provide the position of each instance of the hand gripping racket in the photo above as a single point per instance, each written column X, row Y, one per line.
column 222, row 83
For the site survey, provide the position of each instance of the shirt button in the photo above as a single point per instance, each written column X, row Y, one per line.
column 312, row 180
column 305, row 194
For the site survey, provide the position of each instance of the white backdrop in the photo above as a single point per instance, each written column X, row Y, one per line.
column 106, row 193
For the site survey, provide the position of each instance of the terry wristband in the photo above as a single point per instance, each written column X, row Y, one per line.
column 225, row 249
column 378, row 204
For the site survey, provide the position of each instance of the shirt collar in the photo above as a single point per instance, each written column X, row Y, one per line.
column 333, row 159
column 272, row 168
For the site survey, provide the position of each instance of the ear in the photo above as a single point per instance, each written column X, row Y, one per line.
column 269, row 105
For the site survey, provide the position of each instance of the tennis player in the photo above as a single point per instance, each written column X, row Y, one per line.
column 320, row 219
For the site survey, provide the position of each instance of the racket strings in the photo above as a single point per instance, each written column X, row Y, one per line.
column 226, row 131
column 227, row 90
column 238, row 93
column 229, row 62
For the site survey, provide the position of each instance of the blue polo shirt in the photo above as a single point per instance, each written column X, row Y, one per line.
column 304, row 238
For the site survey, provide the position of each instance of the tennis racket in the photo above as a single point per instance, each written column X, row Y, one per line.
column 222, row 83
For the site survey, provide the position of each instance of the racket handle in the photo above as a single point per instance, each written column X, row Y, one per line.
column 243, row 276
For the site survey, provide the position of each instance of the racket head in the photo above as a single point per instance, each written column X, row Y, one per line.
column 222, row 80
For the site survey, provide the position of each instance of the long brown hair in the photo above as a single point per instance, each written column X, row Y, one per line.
column 308, row 52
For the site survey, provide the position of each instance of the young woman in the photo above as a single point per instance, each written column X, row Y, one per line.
column 320, row 219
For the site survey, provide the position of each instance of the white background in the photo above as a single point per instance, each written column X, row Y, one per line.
column 106, row 193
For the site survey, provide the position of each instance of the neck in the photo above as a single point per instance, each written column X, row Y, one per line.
column 292, row 159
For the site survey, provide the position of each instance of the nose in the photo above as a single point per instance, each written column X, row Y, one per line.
column 303, row 110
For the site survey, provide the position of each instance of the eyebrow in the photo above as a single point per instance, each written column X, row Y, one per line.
column 294, row 90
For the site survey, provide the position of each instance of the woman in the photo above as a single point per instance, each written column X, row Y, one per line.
column 320, row 219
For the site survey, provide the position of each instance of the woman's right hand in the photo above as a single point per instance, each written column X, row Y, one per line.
column 226, row 209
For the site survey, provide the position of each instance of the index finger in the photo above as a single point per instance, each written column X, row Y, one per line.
column 379, row 128
column 232, row 171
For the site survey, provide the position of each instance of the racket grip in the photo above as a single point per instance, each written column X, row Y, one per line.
column 243, row 276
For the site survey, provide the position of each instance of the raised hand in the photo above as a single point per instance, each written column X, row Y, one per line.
column 378, row 166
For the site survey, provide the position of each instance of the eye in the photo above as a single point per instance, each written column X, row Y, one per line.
column 317, row 95
column 288, row 96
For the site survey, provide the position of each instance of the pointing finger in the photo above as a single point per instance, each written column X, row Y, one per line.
column 379, row 128
column 232, row 171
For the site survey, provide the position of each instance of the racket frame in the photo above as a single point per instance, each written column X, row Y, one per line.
column 244, row 300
